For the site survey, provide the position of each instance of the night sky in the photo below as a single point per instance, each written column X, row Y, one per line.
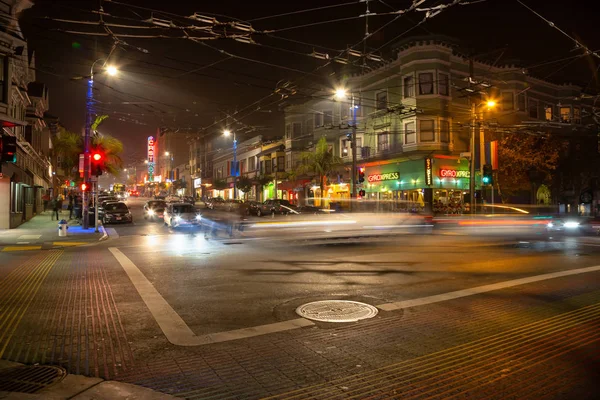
column 172, row 86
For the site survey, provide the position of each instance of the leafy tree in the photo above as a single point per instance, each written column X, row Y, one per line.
column 264, row 180
column 320, row 162
column 220, row 184
column 68, row 145
column 245, row 185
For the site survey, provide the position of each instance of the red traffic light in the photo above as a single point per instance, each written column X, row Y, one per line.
column 84, row 187
column 97, row 157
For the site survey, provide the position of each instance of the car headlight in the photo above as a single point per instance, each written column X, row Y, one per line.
column 198, row 217
column 177, row 218
column 550, row 225
column 571, row 224
column 150, row 212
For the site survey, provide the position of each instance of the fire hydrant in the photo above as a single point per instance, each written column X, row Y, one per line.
column 62, row 228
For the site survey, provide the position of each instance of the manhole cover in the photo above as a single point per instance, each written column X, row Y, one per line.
column 30, row 379
column 336, row 311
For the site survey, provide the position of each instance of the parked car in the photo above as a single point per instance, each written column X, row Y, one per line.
column 172, row 199
column 116, row 212
column 178, row 215
column 154, row 209
column 215, row 203
column 253, row 208
column 310, row 210
column 276, row 206
column 232, row 205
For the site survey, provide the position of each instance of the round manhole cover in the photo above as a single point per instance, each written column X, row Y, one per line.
column 30, row 379
column 336, row 311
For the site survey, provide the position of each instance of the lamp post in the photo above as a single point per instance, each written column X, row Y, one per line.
column 474, row 118
column 227, row 132
column 111, row 70
column 342, row 94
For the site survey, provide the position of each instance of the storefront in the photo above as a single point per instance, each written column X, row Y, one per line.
column 405, row 185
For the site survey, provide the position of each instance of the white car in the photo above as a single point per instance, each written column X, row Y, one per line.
column 180, row 215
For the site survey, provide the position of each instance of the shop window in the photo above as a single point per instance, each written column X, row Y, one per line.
column 427, row 134
column 383, row 143
column 533, row 108
column 577, row 115
column 565, row 114
column 318, row 120
column 548, row 112
column 327, row 118
column 409, row 86
column 444, row 84
column 508, row 101
column 297, row 129
column 426, row 83
column 382, row 100
column 521, row 101
column 444, row 131
column 410, row 135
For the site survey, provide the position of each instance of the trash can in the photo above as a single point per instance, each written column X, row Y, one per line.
column 62, row 228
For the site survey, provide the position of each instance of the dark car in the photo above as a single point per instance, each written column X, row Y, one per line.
column 116, row 212
column 232, row 205
column 310, row 210
column 277, row 207
column 189, row 199
column 253, row 208
column 154, row 209
column 215, row 203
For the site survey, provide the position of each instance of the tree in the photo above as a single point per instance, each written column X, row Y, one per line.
column 220, row 184
column 68, row 145
column 245, row 185
column 112, row 149
column 320, row 162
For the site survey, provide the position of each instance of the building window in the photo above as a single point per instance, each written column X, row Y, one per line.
column 576, row 115
column 288, row 131
column 383, row 143
column 548, row 112
column 444, row 84
column 409, row 86
column 267, row 167
column 444, row 131
column 410, row 134
column 508, row 101
column 533, row 108
column 3, row 79
column 281, row 163
column 327, row 118
column 565, row 114
column 297, row 129
column 381, row 100
column 251, row 164
column 426, row 131
column 426, row 83
column 318, row 120
column 521, row 101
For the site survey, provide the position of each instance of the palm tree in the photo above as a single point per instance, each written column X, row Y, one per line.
column 320, row 162
column 68, row 145
column 112, row 149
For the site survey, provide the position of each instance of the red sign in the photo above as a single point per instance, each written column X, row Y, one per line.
column 383, row 177
column 452, row 173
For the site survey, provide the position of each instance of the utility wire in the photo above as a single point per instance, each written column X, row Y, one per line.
column 304, row 11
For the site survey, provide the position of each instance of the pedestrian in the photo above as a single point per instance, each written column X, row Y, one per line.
column 54, row 206
column 70, row 207
column 244, row 211
column 60, row 203
column 46, row 200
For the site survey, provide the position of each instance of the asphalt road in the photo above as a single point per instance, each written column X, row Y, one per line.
column 490, row 313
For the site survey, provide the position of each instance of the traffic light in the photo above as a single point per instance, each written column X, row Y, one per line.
column 9, row 149
column 97, row 163
column 361, row 174
column 84, row 187
column 362, row 193
column 488, row 177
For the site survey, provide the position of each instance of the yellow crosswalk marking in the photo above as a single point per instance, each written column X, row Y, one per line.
column 19, row 248
column 69, row 243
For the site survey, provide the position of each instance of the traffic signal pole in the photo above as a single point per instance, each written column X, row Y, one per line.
column 354, row 171
column 86, row 149
column 96, row 205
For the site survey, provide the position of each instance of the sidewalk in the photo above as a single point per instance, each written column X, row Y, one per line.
column 76, row 387
column 41, row 232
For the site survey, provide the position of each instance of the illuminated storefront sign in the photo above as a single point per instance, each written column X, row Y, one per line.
column 428, row 171
column 197, row 182
column 390, row 176
column 452, row 173
column 151, row 151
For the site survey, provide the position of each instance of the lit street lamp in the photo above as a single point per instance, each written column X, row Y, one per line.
column 227, row 133
column 474, row 118
column 111, row 70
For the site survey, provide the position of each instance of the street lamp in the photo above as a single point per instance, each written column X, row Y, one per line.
column 228, row 133
column 474, row 117
column 111, row 70
column 342, row 94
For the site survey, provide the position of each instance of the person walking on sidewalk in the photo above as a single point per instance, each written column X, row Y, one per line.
column 46, row 200
column 70, row 207
column 54, row 207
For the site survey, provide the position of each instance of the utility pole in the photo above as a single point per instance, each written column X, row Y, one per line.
column 353, row 197
column 472, row 146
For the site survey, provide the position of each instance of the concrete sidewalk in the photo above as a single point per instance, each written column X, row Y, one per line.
column 41, row 232
column 79, row 387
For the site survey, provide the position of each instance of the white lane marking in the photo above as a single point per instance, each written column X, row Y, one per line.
column 173, row 326
column 482, row 289
column 26, row 237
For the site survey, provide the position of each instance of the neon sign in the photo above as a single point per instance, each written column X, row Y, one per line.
column 390, row 176
column 151, row 151
column 452, row 173
column 428, row 171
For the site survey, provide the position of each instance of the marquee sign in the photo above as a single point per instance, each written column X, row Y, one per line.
column 390, row 176
column 428, row 171
column 151, row 152
column 452, row 173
